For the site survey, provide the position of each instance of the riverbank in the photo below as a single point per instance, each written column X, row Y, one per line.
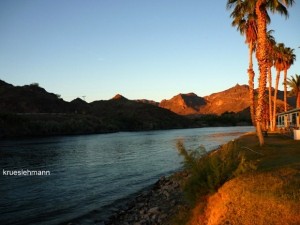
column 263, row 188
column 155, row 206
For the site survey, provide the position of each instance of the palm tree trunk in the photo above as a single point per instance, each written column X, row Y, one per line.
column 251, row 75
column 298, row 100
column 262, row 58
column 270, row 98
column 285, row 90
column 275, row 99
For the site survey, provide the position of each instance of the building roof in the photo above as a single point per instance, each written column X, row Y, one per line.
column 289, row 112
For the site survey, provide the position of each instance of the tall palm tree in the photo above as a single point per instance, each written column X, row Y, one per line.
column 261, row 8
column 271, row 50
column 289, row 58
column 279, row 65
column 244, row 19
column 294, row 83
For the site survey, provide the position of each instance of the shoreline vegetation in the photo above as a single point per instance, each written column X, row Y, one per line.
column 238, row 183
column 23, row 125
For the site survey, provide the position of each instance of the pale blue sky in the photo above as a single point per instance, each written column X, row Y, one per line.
column 152, row 49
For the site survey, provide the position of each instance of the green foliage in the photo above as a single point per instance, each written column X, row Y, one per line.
column 227, row 119
column 209, row 171
column 294, row 83
column 244, row 166
column 17, row 125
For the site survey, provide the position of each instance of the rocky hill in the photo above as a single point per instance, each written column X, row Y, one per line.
column 233, row 100
column 132, row 115
column 32, row 111
column 30, row 99
column 184, row 104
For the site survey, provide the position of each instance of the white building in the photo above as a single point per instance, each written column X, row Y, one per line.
column 289, row 119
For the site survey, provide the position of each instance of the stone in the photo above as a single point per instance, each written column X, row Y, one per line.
column 154, row 210
column 165, row 193
column 152, row 207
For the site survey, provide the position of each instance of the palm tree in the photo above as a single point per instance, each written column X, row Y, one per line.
column 244, row 19
column 278, row 58
column 261, row 7
column 294, row 83
column 289, row 58
column 244, row 8
column 271, row 46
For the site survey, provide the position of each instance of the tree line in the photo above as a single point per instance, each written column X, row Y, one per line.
column 251, row 18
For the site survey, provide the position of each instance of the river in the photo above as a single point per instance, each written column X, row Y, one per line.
column 89, row 174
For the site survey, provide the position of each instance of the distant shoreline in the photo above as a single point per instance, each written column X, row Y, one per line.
column 38, row 125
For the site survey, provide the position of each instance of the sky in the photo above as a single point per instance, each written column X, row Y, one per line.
column 141, row 49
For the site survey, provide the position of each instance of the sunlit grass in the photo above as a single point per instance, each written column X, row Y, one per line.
column 270, row 197
column 243, row 183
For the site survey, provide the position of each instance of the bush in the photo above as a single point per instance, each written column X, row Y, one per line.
column 209, row 171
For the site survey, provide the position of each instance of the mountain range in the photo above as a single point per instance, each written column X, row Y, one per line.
column 234, row 99
column 30, row 110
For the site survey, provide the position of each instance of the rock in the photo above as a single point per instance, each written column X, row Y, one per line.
column 154, row 210
column 152, row 207
column 142, row 212
column 154, row 217
column 165, row 193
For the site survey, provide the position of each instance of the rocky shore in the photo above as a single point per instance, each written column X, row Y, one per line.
column 153, row 207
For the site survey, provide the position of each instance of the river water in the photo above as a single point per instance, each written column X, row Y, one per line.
column 89, row 174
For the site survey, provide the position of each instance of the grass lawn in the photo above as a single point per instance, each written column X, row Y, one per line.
column 263, row 187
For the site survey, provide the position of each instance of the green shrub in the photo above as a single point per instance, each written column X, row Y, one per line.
column 209, row 171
